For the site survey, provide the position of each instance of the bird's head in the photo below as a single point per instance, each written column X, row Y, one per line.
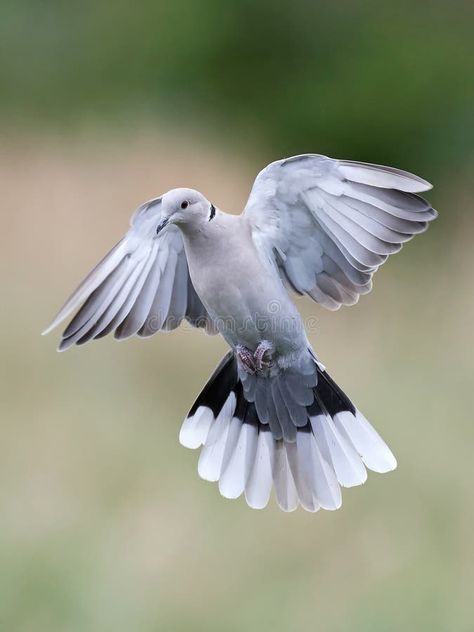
column 185, row 208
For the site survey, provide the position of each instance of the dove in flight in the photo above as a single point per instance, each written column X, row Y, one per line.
column 270, row 416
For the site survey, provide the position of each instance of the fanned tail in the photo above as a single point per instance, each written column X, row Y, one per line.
column 300, row 435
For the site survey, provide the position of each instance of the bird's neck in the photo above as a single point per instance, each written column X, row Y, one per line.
column 205, row 241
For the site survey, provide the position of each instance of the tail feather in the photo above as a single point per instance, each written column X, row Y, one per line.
column 209, row 404
column 285, row 488
column 260, row 481
column 305, row 446
column 374, row 452
column 212, row 454
column 339, row 451
column 236, row 470
column 300, row 461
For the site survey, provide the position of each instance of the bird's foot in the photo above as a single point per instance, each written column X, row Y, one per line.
column 246, row 359
column 257, row 362
column 262, row 356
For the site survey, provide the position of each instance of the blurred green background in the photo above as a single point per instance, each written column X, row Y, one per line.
column 105, row 524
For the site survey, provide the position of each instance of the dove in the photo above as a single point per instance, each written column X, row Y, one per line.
column 270, row 417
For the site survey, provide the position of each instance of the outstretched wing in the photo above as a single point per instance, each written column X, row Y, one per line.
column 329, row 224
column 140, row 287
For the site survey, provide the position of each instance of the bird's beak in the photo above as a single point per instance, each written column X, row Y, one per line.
column 164, row 222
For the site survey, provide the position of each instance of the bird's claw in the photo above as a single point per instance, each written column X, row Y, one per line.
column 262, row 355
column 259, row 360
column 246, row 359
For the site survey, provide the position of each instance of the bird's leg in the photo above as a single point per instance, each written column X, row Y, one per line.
column 246, row 358
column 262, row 355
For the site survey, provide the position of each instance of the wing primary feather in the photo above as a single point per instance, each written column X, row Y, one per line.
column 91, row 282
column 113, row 314
column 384, row 177
column 122, row 287
column 98, row 300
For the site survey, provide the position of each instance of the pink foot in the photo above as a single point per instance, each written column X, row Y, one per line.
column 256, row 362
column 262, row 355
column 246, row 358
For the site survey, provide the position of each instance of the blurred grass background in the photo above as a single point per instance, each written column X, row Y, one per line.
column 105, row 524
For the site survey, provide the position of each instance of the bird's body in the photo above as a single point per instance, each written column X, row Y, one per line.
column 240, row 289
column 270, row 415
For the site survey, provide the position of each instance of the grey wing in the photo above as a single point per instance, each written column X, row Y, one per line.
column 140, row 287
column 330, row 224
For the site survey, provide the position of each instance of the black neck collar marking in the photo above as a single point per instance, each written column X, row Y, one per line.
column 213, row 212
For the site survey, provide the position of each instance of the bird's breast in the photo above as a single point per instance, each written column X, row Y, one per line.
column 245, row 298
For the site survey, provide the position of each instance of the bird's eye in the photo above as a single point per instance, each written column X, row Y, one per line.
column 184, row 204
